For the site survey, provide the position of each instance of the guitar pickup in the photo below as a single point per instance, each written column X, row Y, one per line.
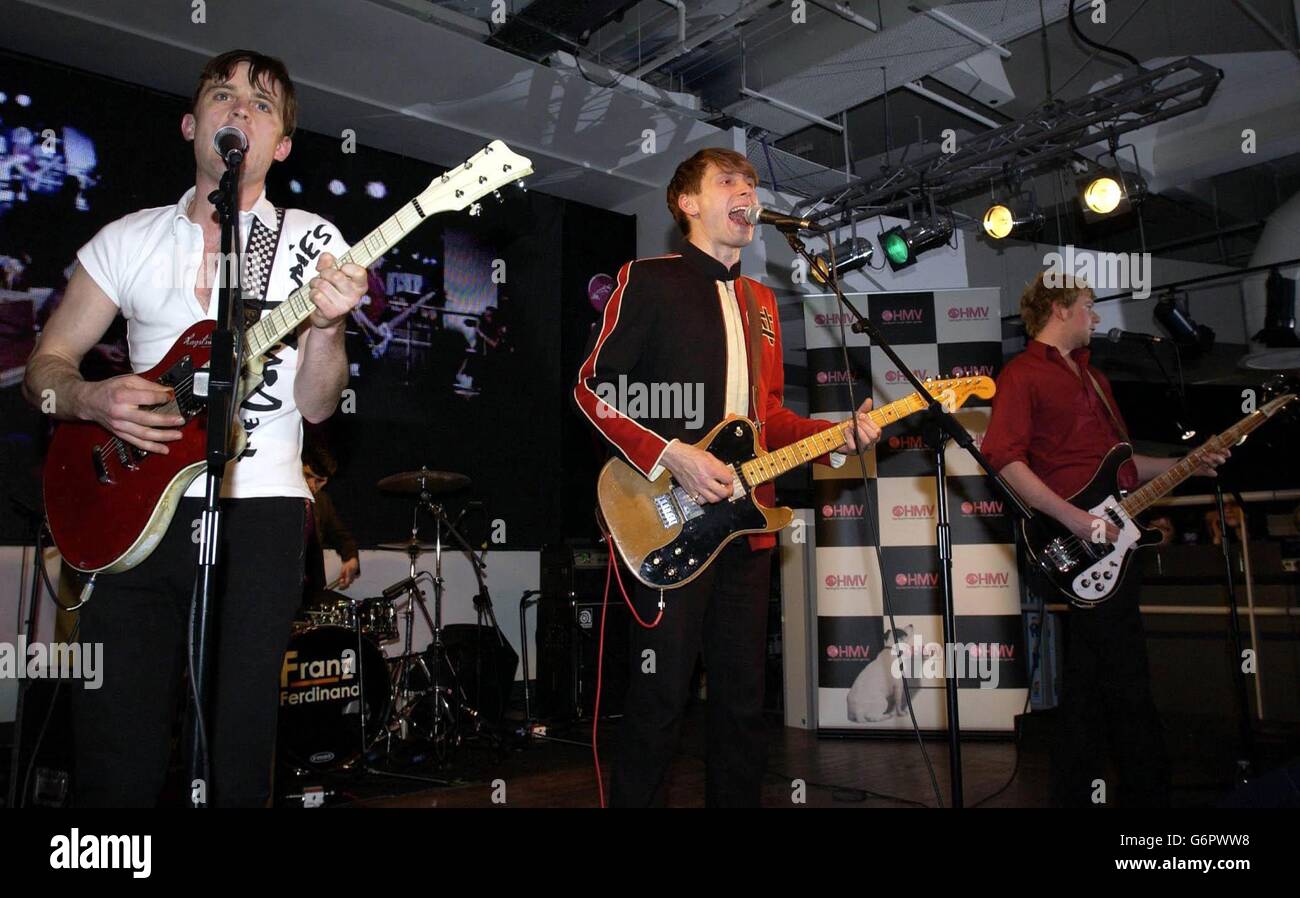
column 690, row 509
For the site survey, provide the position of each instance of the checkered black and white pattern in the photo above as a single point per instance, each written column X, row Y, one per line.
column 950, row 333
column 258, row 257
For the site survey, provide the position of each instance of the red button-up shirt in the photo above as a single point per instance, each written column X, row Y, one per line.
column 1052, row 419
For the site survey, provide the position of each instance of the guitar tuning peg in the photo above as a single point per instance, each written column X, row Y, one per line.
column 475, row 209
column 521, row 186
column 497, row 195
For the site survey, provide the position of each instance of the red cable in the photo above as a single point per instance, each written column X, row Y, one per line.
column 612, row 567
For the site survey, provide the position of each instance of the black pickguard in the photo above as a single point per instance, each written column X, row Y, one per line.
column 703, row 536
column 1061, row 556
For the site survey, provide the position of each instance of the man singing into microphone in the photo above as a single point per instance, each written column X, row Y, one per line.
column 157, row 267
column 688, row 319
column 1054, row 419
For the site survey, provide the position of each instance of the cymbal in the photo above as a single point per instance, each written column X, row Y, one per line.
column 413, row 482
column 406, row 546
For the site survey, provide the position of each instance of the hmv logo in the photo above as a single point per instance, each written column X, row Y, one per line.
column 916, row 581
column 836, row 377
column 988, row 579
column 983, row 508
column 841, row 511
column 894, row 376
column 972, row 370
column 912, row 512
column 1003, row 651
column 907, row 443
column 834, row 319
column 903, row 316
column 847, row 652
column 847, row 581
column 969, row 313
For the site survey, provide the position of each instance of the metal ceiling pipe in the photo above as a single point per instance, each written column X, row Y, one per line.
column 842, row 10
column 1252, row 14
column 681, row 18
column 930, row 95
column 968, row 32
column 748, row 11
column 793, row 110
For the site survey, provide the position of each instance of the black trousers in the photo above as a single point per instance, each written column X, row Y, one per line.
column 1107, row 710
column 723, row 613
column 123, row 730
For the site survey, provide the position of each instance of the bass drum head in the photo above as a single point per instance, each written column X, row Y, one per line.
column 322, row 679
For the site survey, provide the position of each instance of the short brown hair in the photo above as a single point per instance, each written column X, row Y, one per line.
column 1038, row 299
column 690, row 174
column 261, row 69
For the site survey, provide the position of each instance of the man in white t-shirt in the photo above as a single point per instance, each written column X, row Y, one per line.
column 157, row 267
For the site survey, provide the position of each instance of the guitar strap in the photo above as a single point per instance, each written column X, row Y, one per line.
column 1114, row 418
column 258, row 260
column 755, row 351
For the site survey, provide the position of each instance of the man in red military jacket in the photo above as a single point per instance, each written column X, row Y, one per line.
column 683, row 320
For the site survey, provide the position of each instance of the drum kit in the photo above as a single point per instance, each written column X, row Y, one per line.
column 344, row 703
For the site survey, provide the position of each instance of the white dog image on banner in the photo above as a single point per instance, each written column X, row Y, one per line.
column 878, row 693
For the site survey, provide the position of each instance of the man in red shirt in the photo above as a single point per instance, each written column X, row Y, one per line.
column 1054, row 419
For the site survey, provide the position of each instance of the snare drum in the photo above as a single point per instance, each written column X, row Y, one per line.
column 378, row 619
column 325, row 675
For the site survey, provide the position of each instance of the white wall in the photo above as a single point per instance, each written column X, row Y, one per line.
column 1217, row 305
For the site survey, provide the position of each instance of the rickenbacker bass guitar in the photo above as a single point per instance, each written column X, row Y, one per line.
column 107, row 502
column 1089, row 572
column 666, row 538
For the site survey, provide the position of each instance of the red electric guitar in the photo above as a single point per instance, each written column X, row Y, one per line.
column 108, row 503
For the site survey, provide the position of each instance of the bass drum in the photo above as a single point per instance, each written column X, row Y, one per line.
column 325, row 675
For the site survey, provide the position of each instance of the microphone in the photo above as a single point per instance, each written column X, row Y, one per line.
column 1115, row 335
column 231, row 144
column 400, row 587
column 757, row 215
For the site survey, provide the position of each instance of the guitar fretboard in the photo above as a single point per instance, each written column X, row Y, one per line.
column 1155, row 489
column 771, row 465
column 285, row 318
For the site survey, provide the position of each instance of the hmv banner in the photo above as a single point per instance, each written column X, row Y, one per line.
column 862, row 659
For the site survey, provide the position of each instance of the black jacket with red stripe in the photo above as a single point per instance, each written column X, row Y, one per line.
column 663, row 329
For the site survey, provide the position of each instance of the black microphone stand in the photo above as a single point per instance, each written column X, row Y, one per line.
column 1246, row 765
column 227, row 361
column 940, row 426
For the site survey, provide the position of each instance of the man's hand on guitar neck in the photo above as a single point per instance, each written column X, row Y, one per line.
column 698, row 472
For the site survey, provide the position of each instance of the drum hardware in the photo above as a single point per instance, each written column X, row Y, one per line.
column 425, row 699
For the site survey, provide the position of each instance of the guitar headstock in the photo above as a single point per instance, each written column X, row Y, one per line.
column 1274, row 406
column 487, row 171
column 954, row 392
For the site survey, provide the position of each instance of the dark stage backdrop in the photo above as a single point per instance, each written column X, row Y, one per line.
column 460, row 356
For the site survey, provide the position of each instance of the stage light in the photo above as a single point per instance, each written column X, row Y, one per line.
column 1110, row 193
column 376, row 190
column 902, row 244
column 337, row 187
column 849, row 256
column 1185, row 332
column 4, row 97
column 295, row 186
column 1016, row 217
column 1103, row 195
column 23, row 100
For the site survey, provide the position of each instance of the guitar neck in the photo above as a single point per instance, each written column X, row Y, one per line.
column 284, row 320
column 1155, row 489
column 772, row 465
